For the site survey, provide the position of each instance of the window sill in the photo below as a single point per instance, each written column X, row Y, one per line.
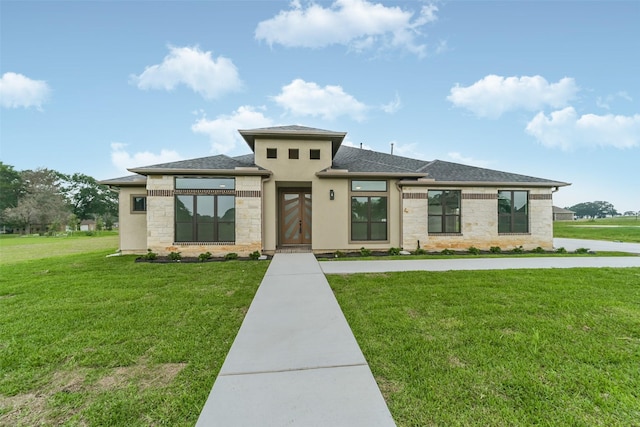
column 515, row 234
column 444, row 234
column 204, row 243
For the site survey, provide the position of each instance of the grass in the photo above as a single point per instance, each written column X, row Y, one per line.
column 90, row 340
column 623, row 229
column 514, row 347
column 15, row 248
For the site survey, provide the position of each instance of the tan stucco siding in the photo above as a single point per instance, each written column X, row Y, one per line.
column 479, row 221
column 132, row 226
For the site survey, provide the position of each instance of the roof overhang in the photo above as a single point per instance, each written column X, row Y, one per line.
column 125, row 182
column 208, row 172
column 250, row 136
column 342, row 173
column 419, row 183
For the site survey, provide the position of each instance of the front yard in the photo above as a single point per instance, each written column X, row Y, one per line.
column 501, row 348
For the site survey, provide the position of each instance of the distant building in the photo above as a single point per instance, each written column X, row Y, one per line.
column 560, row 214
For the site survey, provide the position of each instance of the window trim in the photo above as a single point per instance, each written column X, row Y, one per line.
column 132, row 204
column 444, row 216
column 369, row 194
column 513, row 214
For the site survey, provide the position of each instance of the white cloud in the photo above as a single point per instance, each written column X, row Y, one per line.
column 566, row 130
column 302, row 98
column 358, row 24
column 459, row 158
column 352, row 144
column 411, row 150
column 393, row 106
column 207, row 76
column 123, row 160
column 223, row 130
column 494, row 95
column 17, row 90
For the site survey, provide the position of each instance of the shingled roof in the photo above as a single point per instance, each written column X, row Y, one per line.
column 212, row 164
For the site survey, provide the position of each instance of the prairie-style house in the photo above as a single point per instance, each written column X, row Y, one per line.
column 302, row 189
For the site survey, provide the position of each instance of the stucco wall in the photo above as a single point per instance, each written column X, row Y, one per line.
column 479, row 221
column 132, row 226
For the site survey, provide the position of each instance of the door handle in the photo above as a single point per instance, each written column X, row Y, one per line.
column 300, row 225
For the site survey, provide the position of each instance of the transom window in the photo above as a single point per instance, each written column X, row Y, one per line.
column 513, row 211
column 444, row 211
column 369, row 210
column 208, row 183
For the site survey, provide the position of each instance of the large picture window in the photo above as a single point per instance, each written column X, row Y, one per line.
column 444, row 211
column 208, row 213
column 369, row 211
column 513, row 212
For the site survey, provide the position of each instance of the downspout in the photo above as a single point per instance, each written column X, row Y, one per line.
column 400, row 234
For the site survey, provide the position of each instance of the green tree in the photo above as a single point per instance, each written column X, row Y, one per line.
column 87, row 198
column 11, row 187
column 597, row 209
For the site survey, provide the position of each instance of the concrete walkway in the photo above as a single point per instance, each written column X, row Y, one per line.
column 295, row 361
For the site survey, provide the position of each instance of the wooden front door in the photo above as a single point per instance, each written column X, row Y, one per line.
column 295, row 217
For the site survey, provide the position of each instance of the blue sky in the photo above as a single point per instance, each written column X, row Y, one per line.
column 543, row 88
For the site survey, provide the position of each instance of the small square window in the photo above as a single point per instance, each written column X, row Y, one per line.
column 138, row 204
column 314, row 154
column 272, row 153
column 294, row 153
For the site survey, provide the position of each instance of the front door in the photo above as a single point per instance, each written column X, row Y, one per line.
column 295, row 217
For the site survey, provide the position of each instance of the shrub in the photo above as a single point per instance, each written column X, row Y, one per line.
column 231, row 256
column 447, row 252
column 538, row 250
column 339, row 254
column 495, row 249
column 205, row 256
column 419, row 251
column 582, row 250
column 394, row 251
column 365, row 252
column 150, row 255
column 561, row 251
column 174, row 256
column 474, row 251
column 254, row 255
column 517, row 250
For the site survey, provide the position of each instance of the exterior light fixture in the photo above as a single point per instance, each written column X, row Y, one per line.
column 332, row 195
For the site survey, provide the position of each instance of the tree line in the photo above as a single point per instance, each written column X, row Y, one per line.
column 597, row 209
column 46, row 201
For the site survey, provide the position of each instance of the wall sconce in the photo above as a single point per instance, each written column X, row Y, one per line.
column 332, row 195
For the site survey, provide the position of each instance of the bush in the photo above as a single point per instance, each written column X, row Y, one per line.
column 394, row 251
column 174, row 256
column 254, row 255
column 205, row 256
column 582, row 250
column 231, row 256
column 561, row 251
column 339, row 254
column 517, row 250
column 419, row 251
column 538, row 250
column 150, row 256
column 474, row 251
column 365, row 252
column 447, row 252
column 495, row 249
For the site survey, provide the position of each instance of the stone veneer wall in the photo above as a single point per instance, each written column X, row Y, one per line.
column 479, row 221
column 161, row 214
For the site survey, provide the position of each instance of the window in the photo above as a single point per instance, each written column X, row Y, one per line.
column 314, row 154
column 444, row 211
column 138, row 204
column 513, row 212
column 205, row 210
column 368, row 211
column 294, row 153
column 272, row 153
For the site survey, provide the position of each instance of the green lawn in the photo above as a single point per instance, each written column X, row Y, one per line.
column 515, row 347
column 90, row 340
column 623, row 229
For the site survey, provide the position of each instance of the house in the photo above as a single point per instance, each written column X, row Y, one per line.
column 301, row 188
column 560, row 214
column 87, row 225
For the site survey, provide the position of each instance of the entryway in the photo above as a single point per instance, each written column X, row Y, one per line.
column 295, row 217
